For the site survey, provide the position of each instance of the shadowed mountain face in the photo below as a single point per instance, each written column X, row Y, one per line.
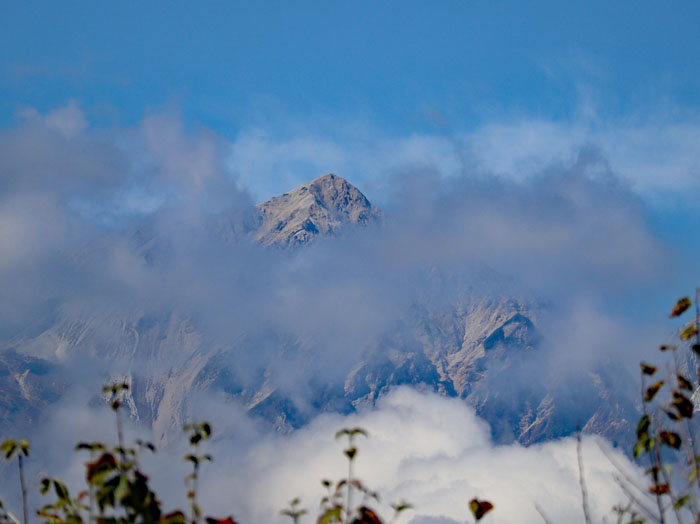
column 474, row 346
column 27, row 385
column 321, row 207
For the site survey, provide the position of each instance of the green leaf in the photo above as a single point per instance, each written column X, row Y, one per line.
column 123, row 489
column 681, row 502
column 401, row 506
column 689, row 332
column 643, row 426
column 638, row 448
column 644, row 444
column 8, row 447
column 45, row 485
column 89, row 446
column 61, row 491
column 331, row 515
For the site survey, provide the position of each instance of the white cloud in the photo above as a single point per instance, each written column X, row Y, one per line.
column 652, row 156
column 429, row 450
column 68, row 120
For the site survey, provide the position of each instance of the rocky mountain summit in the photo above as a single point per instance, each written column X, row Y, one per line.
column 321, row 207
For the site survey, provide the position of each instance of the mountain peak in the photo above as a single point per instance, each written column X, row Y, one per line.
column 320, row 207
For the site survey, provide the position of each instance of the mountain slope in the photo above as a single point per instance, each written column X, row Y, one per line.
column 467, row 344
column 321, row 207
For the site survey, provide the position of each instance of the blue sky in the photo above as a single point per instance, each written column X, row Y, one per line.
column 407, row 66
column 368, row 89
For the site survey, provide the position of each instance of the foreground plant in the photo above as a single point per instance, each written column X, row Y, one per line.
column 337, row 504
column 667, row 430
column 118, row 492
column 19, row 449
column 197, row 433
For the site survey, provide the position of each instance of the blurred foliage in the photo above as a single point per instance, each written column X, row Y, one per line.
column 667, row 431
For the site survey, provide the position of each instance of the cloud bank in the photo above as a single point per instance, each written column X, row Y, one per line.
column 104, row 225
column 655, row 156
column 423, row 448
column 146, row 226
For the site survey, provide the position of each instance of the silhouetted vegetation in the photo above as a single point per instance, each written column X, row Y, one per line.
column 667, row 431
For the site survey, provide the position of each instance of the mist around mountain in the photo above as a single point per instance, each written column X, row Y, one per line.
column 150, row 264
column 472, row 342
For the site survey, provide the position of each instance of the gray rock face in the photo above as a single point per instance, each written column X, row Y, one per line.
column 321, row 207
column 27, row 385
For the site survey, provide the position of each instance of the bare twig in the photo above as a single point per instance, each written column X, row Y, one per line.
column 638, row 503
column 542, row 514
column 22, row 487
column 582, row 481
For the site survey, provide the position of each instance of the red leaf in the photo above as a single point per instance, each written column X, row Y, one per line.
column 680, row 307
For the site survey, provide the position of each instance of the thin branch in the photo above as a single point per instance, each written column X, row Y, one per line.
column 632, row 482
column 542, row 514
column 639, row 504
column 582, row 481
column 22, row 486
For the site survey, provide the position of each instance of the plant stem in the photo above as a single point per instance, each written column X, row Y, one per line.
column 195, row 474
column 584, row 492
column 697, row 315
column 349, row 506
column 22, row 487
column 120, row 438
column 91, row 494
column 655, row 464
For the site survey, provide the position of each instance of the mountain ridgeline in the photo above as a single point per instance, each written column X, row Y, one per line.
column 475, row 347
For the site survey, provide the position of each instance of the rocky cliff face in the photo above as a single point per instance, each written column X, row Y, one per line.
column 322, row 207
column 27, row 385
